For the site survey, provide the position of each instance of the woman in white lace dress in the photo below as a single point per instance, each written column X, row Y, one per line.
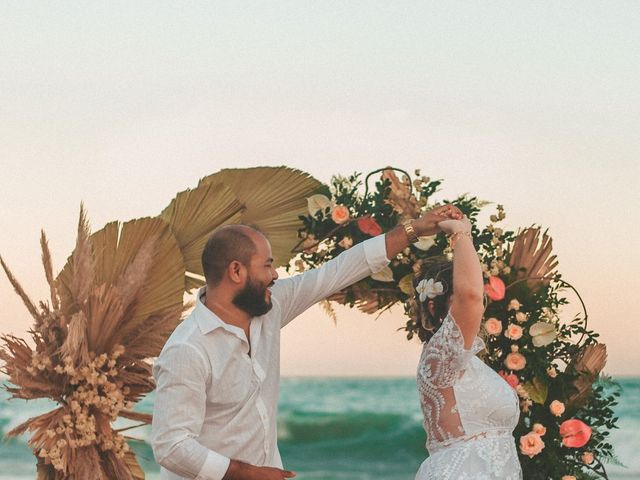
column 469, row 411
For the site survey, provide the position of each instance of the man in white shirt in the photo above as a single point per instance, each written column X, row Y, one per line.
column 218, row 374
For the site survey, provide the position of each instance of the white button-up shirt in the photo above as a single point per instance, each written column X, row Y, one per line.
column 215, row 402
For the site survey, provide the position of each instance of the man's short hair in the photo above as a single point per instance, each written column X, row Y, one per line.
column 226, row 244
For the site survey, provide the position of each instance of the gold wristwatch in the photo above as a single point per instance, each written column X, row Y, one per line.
column 410, row 231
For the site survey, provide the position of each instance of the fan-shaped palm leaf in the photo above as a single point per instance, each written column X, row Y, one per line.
column 193, row 215
column 274, row 197
column 154, row 288
column 531, row 256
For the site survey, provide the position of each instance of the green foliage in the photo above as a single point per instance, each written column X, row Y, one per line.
column 551, row 372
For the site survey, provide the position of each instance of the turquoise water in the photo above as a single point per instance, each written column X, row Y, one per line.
column 334, row 429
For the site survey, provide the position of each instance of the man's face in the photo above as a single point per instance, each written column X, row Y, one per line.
column 255, row 296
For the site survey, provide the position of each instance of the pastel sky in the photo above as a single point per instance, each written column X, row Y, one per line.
column 534, row 105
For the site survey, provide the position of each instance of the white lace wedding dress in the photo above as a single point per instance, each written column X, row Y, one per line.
column 469, row 412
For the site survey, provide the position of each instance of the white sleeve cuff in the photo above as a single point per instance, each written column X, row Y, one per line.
column 214, row 468
column 375, row 251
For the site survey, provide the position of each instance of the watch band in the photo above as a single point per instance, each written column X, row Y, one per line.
column 410, row 231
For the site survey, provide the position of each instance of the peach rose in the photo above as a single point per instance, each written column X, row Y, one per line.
column 514, row 332
column 369, row 226
column 587, row 458
column 568, row 477
column 346, row 242
column 340, row 214
column 539, row 429
column 556, row 408
column 531, row 444
column 514, row 304
column 521, row 317
column 515, row 361
column 493, row 326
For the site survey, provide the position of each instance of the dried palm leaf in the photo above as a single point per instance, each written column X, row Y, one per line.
column 158, row 278
column 133, row 466
column 400, row 197
column 194, row 214
column 587, row 365
column 48, row 270
column 274, row 197
column 20, row 291
column 531, row 257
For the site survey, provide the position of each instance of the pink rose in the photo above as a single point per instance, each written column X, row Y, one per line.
column 587, row 458
column 539, row 429
column 515, row 361
column 511, row 379
column 514, row 332
column 575, row 433
column 556, row 408
column 493, row 326
column 531, row 444
column 495, row 288
column 340, row 214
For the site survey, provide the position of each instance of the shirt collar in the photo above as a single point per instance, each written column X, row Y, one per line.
column 209, row 321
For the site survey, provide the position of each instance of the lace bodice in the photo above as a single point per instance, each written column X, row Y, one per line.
column 468, row 410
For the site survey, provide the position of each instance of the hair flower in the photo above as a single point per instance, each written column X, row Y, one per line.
column 429, row 289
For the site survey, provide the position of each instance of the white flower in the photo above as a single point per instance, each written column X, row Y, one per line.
column 429, row 289
column 425, row 243
column 318, row 203
column 542, row 334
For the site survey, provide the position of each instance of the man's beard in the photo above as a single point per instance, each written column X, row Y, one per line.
column 251, row 299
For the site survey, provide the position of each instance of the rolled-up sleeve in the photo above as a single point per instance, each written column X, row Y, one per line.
column 298, row 293
column 182, row 374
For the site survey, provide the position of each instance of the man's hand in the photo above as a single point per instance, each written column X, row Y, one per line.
column 243, row 471
column 427, row 224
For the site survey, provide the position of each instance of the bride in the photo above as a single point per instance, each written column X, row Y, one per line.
column 469, row 411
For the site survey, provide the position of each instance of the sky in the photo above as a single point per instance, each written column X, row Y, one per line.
column 533, row 105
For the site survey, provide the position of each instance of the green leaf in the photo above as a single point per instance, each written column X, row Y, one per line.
column 537, row 390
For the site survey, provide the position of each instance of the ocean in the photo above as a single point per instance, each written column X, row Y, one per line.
column 333, row 429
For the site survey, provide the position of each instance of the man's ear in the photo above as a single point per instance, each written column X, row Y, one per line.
column 237, row 272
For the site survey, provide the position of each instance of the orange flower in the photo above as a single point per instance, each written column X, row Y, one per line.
column 556, row 408
column 340, row 214
column 587, row 458
column 568, row 477
column 493, row 326
column 575, row 433
column 515, row 361
column 369, row 226
column 531, row 444
column 514, row 332
column 511, row 379
column 495, row 288
column 539, row 429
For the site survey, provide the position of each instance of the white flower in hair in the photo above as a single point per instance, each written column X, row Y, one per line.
column 429, row 289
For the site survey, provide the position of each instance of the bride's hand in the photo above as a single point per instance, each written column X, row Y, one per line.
column 450, row 226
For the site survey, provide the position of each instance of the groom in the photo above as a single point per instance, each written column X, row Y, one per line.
column 217, row 376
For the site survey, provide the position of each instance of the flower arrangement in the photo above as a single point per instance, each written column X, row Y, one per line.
column 554, row 365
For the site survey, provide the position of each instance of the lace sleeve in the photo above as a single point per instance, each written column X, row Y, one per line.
column 445, row 356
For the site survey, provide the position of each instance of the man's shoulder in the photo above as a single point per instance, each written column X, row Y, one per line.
column 186, row 333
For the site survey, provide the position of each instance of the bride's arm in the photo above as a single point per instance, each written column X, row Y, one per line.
column 467, row 300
